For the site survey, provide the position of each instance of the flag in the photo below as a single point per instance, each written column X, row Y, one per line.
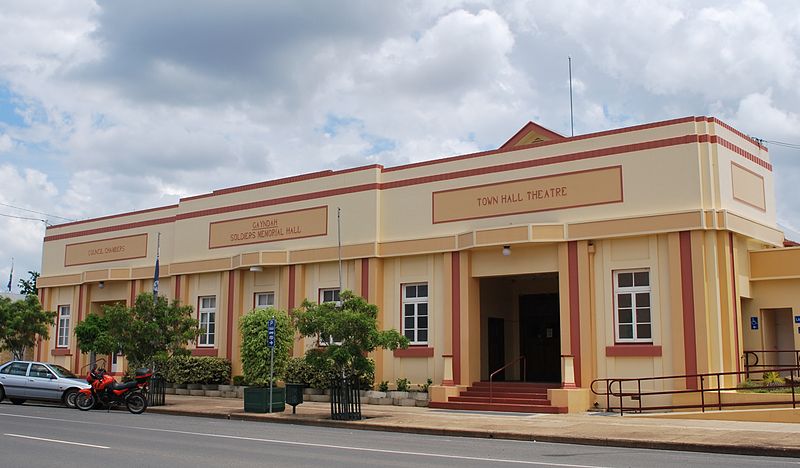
column 11, row 275
column 155, row 283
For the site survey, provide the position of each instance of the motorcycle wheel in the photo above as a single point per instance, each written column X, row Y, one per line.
column 136, row 403
column 84, row 402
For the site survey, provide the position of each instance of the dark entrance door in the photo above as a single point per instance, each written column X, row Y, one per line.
column 540, row 337
column 497, row 347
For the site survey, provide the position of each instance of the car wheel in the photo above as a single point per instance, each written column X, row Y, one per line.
column 69, row 397
column 17, row 401
column 84, row 402
column 2, row 393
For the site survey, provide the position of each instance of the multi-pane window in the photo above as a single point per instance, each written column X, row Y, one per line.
column 632, row 305
column 415, row 312
column 208, row 320
column 265, row 300
column 329, row 295
column 63, row 327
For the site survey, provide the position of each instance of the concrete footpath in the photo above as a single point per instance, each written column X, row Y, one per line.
column 735, row 437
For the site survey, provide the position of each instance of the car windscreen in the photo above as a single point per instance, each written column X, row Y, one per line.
column 62, row 372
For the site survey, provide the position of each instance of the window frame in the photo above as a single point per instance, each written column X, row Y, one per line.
column 632, row 291
column 65, row 333
column 200, row 312
column 415, row 301
column 266, row 293
column 322, row 292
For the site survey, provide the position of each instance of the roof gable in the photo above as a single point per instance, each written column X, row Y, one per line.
column 531, row 134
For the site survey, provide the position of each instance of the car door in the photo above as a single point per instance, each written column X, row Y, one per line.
column 14, row 380
column 42, row 384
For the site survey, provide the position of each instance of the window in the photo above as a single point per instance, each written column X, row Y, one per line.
column 265, row 300
column 415, row 312
column 632, row 306
column 63, row 327
column 15, row 368
column 208, row 320
column 329, row 295
column 40, row 371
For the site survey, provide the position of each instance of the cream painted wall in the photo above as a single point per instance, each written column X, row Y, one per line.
column 628, row 254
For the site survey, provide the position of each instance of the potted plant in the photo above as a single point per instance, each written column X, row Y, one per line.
column 256, row 359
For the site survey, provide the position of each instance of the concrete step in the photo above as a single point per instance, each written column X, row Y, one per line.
column 500, row 407
column 484, row 392
column 499, row 399
column 517, row 385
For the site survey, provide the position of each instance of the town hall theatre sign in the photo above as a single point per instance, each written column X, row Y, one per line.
column 553, row 192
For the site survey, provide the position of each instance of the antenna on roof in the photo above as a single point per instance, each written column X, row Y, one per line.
column 571, row 119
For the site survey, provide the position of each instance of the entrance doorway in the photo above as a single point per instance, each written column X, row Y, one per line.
column 540, row 336
column 520, row 316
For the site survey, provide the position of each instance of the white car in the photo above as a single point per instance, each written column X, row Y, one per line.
column 27, row 380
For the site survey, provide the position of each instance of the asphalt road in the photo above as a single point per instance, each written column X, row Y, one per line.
column 47, row 436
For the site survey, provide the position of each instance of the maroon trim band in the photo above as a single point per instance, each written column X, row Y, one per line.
column 687, row 293
column 456, row 291
column 574, row 309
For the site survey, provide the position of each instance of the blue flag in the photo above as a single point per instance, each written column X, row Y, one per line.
column 11, row 275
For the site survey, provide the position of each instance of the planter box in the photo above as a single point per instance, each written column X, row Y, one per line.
column 227, row 388
column 419, row 396
column 319, row 398
column 194, row 386
column 256, row 399
column 181, row 391
column 230, row 394
column 179, row 385
column 374, row 394
column 169, row 391
column 396, row 394
column 380, row 401
column 422, row 403
column 405, row 402
column 212, row 393
column 197, row 392
column 210, row 386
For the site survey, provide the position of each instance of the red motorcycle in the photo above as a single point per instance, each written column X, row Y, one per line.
column 107, row 391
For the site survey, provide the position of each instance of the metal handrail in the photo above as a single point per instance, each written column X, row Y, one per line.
column 522, row 358
column 615, row 388
column 753, row 364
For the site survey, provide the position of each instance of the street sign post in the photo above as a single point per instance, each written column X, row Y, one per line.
column 271, row 344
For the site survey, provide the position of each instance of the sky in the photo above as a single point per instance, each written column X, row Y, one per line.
column 108, row 107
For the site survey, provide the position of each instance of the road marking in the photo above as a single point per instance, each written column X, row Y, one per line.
column 308, row 444
column 55, row 440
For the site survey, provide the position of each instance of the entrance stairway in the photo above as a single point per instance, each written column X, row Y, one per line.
column 516, row 397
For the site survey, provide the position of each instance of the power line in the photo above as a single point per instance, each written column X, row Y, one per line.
column 24, row 217
column 779, row 143
column 37, row 212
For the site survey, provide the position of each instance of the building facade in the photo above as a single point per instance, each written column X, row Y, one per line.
column 621, row 253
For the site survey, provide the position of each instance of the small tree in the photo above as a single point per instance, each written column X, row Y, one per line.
column 20, row 322
column 348, row 332
column 142, row 333
column 256, row 353
column 27, row 287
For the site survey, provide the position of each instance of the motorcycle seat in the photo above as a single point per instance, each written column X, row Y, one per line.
column 124, row 385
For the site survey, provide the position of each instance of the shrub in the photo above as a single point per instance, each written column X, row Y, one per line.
column 772, row 379
column 383, row 386
column 196, row 369
column 239, row 380
column 424, row 387
column 256, row 353
column 402, row 384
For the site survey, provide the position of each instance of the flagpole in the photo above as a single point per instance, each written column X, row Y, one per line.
column 11, row 275
column 155, row 273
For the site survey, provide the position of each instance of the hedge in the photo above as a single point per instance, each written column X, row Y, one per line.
column 196, row 369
